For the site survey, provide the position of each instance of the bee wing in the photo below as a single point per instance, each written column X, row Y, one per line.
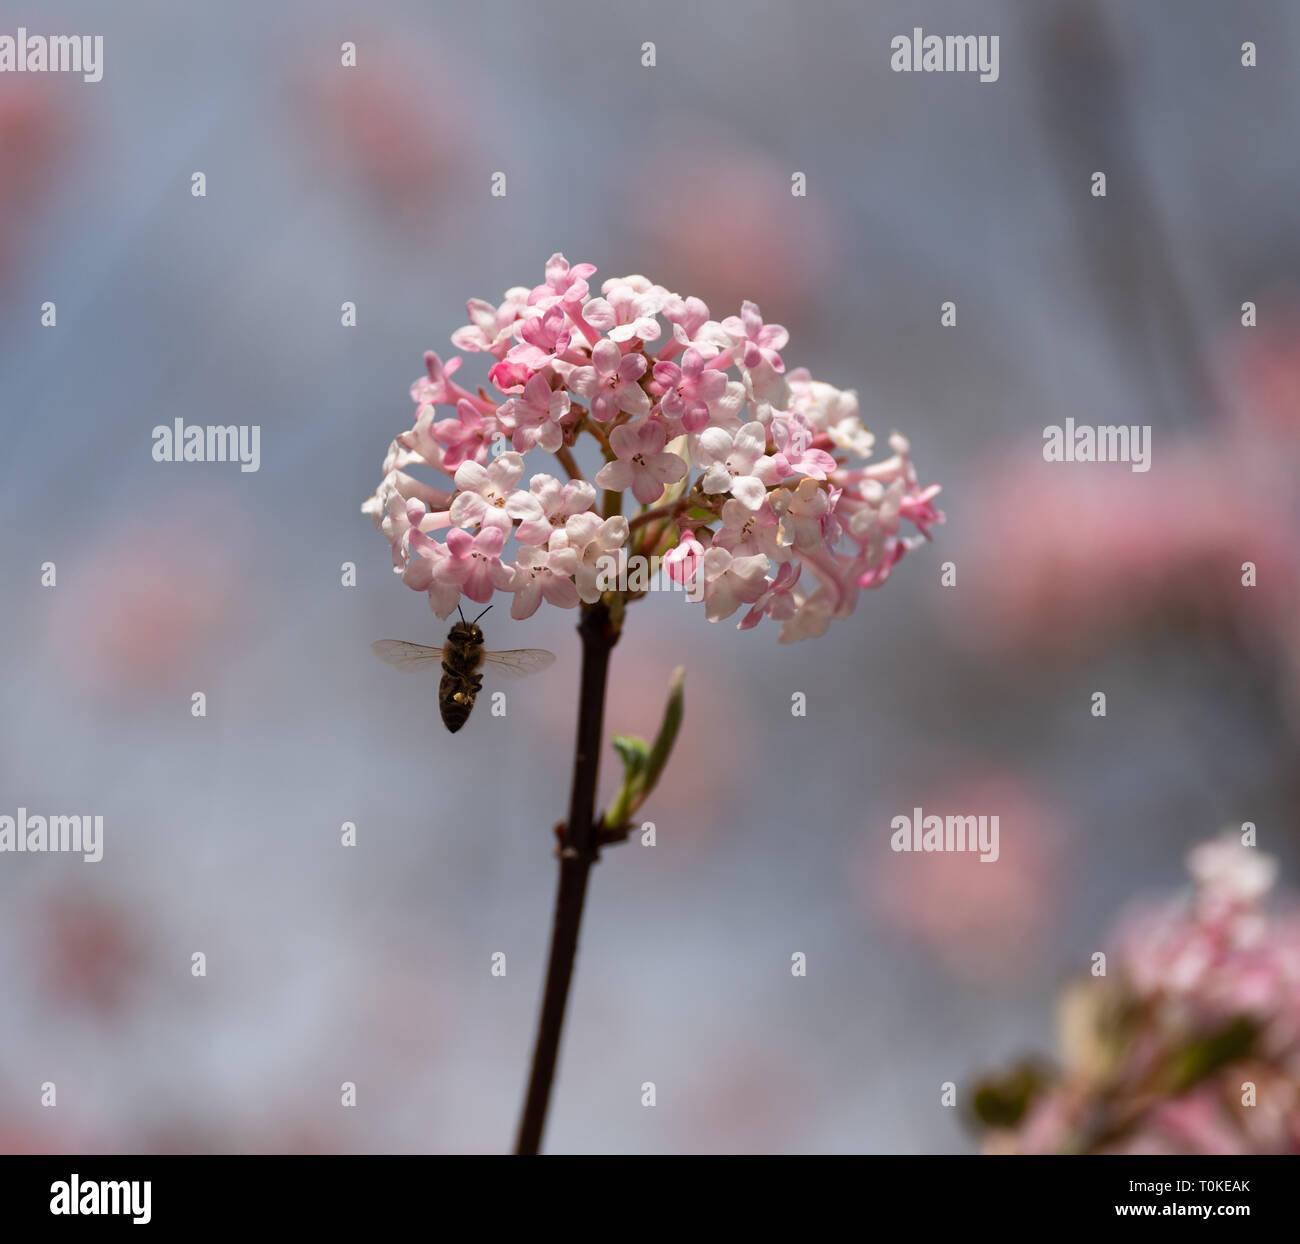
column 405, row 656
column 518, row 662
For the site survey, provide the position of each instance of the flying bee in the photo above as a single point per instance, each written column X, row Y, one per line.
column 462, row 656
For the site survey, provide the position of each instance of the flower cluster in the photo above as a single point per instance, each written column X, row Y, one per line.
column 1191, row 1041
column 752, row 481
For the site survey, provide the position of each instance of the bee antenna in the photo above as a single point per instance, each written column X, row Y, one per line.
column 458, row 610
column 481, row 614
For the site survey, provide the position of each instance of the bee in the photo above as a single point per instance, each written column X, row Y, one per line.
column 462, row 656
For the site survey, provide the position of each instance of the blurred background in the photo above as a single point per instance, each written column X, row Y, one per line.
column 371, row 185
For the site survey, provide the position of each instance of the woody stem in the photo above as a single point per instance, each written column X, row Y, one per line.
column 662, row 511
column 578, row 853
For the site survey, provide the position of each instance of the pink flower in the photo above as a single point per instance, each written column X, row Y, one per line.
column 563, row 284
column 401, row 502
column 544, row 574
column 777, row 600
column 919, row 510
column 803, row 512
column 794, row 453
column 464, row 564
column 690, row 389
column 558, row 503
column 487, row 495
column 628, row 309
column 421, row 443
column 463, row 436
column 397, row 458
column 483, row 553
column 872, row 513
column 758, row 342
column 830, row 411
column 435, row 388
column 875, row 575
column 692, row 328
column 641, row 464
column 401, row 518
column 755, row 490
column 745, row 532
column 610, row 383
column 682, row 561
column 730, row 582
column 543, row 339
column 535, row 416
column 490, row 329
column 811, row 618
column 835, row 596
column 510, row 375
column 428, row 561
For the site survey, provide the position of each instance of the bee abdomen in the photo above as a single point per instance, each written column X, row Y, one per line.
column 456, row 715
column 456, row 695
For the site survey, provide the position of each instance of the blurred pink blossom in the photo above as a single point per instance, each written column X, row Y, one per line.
column 392, row 126
column 90, row 952
column 36, row 144
column 1263, row 365
column 1068, row 557
column 721, row 180
column 982, row 921
column 162, row 599
column 1190, row 1043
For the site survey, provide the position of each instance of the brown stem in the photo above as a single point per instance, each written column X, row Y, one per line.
column 578, row 853
column 602, row 438
column 569, row 463
column 662, row 511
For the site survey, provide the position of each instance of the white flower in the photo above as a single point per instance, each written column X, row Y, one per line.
column 594, row 540
column 735, row 464
column 1231, row 871
column 487, row 495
